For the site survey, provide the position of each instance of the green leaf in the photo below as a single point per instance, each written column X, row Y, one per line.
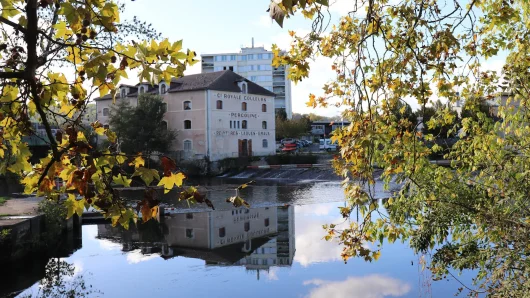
column 147, row 175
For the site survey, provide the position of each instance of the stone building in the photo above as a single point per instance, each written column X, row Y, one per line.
column 216, row 115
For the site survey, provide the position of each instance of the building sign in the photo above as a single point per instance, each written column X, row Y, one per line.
column 243, row 115
column 241, row 133
column 241, row 97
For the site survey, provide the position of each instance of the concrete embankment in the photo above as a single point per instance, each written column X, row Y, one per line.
column 22, row 227
column 286, row 173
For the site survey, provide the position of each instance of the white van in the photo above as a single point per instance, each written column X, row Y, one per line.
column 326, row 144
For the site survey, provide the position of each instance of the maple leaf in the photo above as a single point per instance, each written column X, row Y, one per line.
column 168, row 164
column 147, row 175
column 170, row 181
column 137, row 162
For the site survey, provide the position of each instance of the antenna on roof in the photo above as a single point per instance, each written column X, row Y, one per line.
column 252, row 42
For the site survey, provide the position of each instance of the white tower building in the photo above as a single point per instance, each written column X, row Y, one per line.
column 254, row 63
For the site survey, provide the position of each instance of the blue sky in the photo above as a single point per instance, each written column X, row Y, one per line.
column 215, row 26
column 212, row 26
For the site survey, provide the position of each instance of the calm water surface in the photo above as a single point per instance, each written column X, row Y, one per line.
column 274, row 249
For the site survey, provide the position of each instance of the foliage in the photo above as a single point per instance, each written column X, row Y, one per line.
column 293, row 128
column 429, row 116
column 472, row 215
column 281, row 114
column 54, row 221
column 55, row 55
column 3, row 200
column 61, row 280
column 140, row 128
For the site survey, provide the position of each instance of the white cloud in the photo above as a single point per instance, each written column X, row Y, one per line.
column 109, row 245
column 136, row 256
column 272, row 274
column 342, row 7
column 309, row 250
column 264, row 21
column 372, row 286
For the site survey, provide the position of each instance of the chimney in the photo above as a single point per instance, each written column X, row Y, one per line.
column 252, row 42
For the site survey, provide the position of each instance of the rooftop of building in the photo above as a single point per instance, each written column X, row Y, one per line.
column 329, row 122
column 225, row 80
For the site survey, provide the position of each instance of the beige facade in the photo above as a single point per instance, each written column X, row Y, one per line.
column 212, row 123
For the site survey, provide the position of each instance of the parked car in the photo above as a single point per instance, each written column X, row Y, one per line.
column 326, row 144
column 287, row 141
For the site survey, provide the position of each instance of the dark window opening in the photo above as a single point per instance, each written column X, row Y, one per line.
column 189, row 233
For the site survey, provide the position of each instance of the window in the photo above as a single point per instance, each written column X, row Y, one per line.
column 264, row 67
column 189, row 215
column 222, row 232
column 267, row 222
column 164, row 125
column 187, row 124
column 187, row 145
column 187, row 105
column 244, row 87
column 230, row 123
column 237, row 124
column 250, row 57
column 260, row 56
column 141, row 90
column 242, row 58
column 123, row 93
column 219, row 104
column 189, row 233
column 264, row 108
column 244, row 124
column 164, row 107
column 233, row 58
column 247, row 226
column 163, row 89
column 105, row 111
column 265, row 143
column 264, row 124
column 224, row 58
column 231, row 68
column 243, row 106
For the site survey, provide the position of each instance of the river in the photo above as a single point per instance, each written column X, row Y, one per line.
column 274, row 249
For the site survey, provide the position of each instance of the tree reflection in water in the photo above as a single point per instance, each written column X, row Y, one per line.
column 62, row 280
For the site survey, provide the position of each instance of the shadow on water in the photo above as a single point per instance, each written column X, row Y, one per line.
column 37, row 266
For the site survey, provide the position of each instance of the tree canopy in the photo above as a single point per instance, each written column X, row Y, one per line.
column 292, row 128
column 471, row 215
column 142, row 128
column 56, row 55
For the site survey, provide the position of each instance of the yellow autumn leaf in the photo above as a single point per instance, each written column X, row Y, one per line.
column 122, row 180
column 137, row 162
column 171, row 181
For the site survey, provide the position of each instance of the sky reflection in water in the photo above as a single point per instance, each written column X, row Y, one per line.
column 286, row 256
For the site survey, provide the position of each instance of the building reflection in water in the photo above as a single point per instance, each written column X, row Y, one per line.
column 257, row 238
